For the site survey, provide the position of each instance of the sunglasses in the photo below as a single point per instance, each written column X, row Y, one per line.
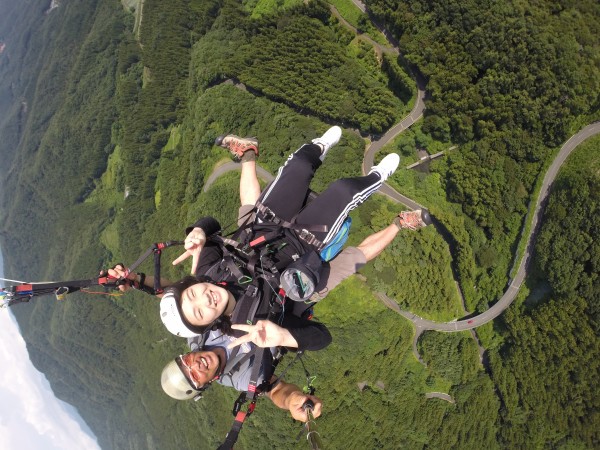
column 187, row 373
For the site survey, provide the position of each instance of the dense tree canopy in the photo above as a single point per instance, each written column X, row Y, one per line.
column 107, row 142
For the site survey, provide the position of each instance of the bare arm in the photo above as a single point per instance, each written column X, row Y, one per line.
column 375, row 243
column 289, row 396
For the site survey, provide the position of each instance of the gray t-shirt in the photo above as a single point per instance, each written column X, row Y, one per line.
column 240, row 378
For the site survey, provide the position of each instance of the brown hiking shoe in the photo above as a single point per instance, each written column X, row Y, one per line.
column 413, row 220
column 237, row 145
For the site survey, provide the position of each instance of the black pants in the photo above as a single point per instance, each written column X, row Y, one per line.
column 287, row 194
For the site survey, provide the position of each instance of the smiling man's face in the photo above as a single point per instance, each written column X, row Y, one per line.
column 200, row 367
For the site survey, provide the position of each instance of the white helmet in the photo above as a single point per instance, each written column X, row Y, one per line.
column 176, row 385
column 169, row 314
column 172, row 315
column 170, row 310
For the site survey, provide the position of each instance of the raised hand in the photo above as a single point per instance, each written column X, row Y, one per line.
column 194, row 242
column 264, row 334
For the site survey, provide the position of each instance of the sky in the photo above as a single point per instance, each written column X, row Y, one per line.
column 31, row 417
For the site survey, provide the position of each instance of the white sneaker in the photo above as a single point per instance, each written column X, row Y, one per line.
column 328, row 140
column 386, row 166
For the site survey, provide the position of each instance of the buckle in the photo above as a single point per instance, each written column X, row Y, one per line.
column 251, row 291
column 237, row 406
column 269, row 216
column 306, row 236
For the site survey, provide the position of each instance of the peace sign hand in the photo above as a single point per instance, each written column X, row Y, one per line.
column 194, row 242
column 264, row 334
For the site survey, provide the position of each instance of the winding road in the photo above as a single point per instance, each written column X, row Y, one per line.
column 376, row 145
column 514, row 284
column 230, row 166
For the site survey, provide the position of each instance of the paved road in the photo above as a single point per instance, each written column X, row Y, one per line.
column 441, row 395
column 515, row 283
column 378, row 144
column 230, row 166
column 360, row 5
column 415, row 114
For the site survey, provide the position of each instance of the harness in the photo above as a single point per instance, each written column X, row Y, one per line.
column 304, row 231
column 263, row 243
column 254, row 259
column 256, row 303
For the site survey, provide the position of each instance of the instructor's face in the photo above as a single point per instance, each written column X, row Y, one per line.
column 203, row 303
column 200, row 367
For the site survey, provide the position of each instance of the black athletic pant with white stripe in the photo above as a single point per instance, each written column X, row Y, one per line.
column 286, row 194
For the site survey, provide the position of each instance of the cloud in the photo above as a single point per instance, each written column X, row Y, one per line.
column 31, row 416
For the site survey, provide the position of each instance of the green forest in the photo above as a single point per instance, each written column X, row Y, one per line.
column 109, row 111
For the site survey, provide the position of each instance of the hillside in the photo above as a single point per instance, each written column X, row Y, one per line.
column 107, row 132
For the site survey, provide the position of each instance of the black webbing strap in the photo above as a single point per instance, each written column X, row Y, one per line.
column 155, row 248
column 247, row 310
column 252, row 392
column 270, row 216
column 234, row 432
column 25, row 291
column 233, row 268
column 244, row 313
column 247, row 307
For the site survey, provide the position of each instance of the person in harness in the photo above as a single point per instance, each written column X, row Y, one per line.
column 285, row 240
column 207, row 260
column 212, row 360
column 205, row 304
column 196, row 305
column 189, row 306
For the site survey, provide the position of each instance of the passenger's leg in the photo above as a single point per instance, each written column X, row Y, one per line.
column 333, row 206
column 286, row 195
column 244, row 150
column 249, row 185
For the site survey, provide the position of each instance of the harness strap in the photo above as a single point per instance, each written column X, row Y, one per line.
column 252, row 392
column 270, row 216
column 235, row 361
column 247, row 311
column 246, row 308
column 232, row 267
column 259, row 356
column 234, row 432
column 155, row 248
